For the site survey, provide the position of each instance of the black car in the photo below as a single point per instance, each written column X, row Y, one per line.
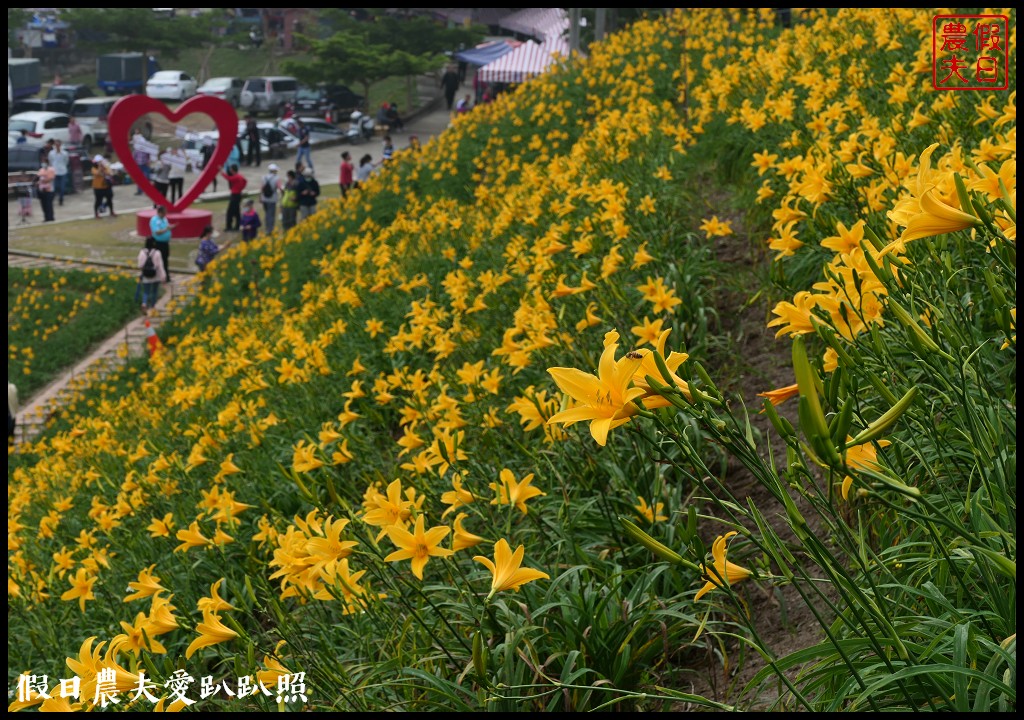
column 338, row 100
column 69, row 93
column 41, row 104
column 24, row 157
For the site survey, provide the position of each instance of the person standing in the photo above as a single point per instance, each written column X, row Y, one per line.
column 206, row 151
column 364, row 170
column 250, row 221
column 271, row 183
column 304, row 146
column 345, row 173
column 162, row 176
column 102, row 186
column 178, row 163
column 12, row 407
column 151, row 282
column 160, row 228
column 60, row 160
column 387, row 150
column 289, row 201
column 208, row 249
column 75, row 133
column 308, row 192
column 141, row 157
column 44, row 187
column 252, row 136
column 236, row 185
column 450, row 84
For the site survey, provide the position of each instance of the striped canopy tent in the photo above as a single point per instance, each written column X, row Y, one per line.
column 487, row 52
column 538, row 23
column 529, row 59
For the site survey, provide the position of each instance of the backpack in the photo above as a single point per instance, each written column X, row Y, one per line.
column 148, row 267
column 268, row 189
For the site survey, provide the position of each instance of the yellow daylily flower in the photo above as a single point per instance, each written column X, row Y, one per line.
column 418, row 546
column 505, row 569
column 724, row 571
column 606, row 400
column 211, row 632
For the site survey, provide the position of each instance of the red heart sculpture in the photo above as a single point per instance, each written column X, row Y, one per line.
column 130, row 108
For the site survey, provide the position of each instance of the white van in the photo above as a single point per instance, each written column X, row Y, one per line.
column 91, row 114
column 268, row 94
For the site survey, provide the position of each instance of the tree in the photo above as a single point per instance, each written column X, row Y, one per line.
column 346, row 58
column 135, row 30
column 365, row 45
column 16, row 20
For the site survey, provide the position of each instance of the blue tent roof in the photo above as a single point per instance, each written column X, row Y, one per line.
column 483, row 54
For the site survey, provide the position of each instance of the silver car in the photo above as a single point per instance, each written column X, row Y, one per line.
column 226, row 88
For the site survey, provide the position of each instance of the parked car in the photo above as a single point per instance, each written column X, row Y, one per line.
column 275, row 142
column 91, row 114
column 171, row 85
column 226, row 88
column 68, row 94
column 24, row 157
column 269, row 94
column 320, row 131
column 337, row 100
column 40, row 126
column 40, row 104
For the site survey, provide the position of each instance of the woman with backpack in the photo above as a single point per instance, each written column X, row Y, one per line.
column 151, row 273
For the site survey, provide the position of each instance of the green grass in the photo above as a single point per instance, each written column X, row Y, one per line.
column 54, row 318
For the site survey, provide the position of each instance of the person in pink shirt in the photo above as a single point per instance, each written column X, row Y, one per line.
column 345, row 176
column 44, row 187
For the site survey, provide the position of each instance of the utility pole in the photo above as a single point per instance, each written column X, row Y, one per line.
column 574, row 30
column 600, row 21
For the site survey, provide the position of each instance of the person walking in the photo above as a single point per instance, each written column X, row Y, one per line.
column 236, row 185
column 60, row 161
column 152, row 272
column 208, row 249
column 308, row 192
column 450, row 84
column 250, row 221
column 304, row 147
column 102, row 186
column 290, row 201
column 44, row 188
column 270, row 195
column 160, row 229
column 345, row 173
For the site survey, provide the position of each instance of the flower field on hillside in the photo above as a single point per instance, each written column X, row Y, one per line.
column 54, row 316
column 467, row 441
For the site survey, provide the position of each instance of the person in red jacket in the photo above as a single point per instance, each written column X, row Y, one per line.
column 236, row 184
column 345, row 176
